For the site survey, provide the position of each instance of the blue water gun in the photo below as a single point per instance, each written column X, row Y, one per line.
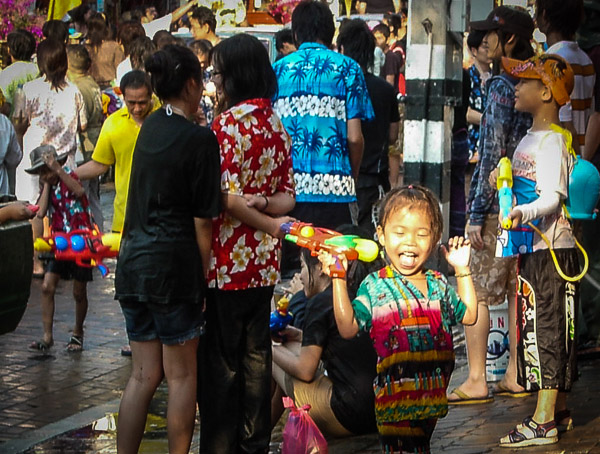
column 505, row 194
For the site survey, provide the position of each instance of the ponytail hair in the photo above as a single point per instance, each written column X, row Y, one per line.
column 170, row 69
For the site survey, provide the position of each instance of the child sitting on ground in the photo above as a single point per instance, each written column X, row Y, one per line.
column 339, row 392
column 64, row 197
column 408, row 311
column 547, row 303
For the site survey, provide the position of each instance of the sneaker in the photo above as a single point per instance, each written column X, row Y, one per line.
column 530, row 433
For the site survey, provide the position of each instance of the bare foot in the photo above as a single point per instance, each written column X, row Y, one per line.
column 510, row 386
column 471, row 389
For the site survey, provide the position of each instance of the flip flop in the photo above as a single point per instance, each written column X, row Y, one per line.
column 75, row 344
column 40, row 346
column 501, row 390
column 465, row 399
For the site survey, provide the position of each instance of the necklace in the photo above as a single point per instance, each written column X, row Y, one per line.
column 170, row 109
column 395, row 276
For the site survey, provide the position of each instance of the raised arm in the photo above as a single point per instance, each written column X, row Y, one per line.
column 342, row 307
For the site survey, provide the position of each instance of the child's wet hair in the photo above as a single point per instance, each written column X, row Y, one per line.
column 413, row 197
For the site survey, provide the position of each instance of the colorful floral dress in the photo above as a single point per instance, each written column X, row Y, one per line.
column 67, row 211
column 412, row 336
column 255, row 159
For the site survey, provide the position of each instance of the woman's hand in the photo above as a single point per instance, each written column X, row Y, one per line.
column 258, row 201
column 493, row 177
column 458, row 253
column 473, row 232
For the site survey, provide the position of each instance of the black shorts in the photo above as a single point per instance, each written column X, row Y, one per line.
column 546, row 315
column 170, row 323
column 69, row 270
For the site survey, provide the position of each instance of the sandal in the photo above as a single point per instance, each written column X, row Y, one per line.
column 559, row 417
column 40, row 346
column 75, row 344
column 530, row 433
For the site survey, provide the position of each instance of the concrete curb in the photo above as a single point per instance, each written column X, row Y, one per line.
column 57, row 428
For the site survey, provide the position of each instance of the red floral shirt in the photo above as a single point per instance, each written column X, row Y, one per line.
column 255, row 159
column 67, row 211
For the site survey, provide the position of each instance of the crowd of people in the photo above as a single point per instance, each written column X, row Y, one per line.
column 212, row 147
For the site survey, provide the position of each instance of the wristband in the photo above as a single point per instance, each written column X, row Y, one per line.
column 266, row 200
column 462, row 275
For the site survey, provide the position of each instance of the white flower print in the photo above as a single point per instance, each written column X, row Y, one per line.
column 222, row 276
column 240, row 255
column 229, row 225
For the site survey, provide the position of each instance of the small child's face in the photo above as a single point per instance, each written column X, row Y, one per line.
column 529, row 95
column 48, row 176
column 407, row 238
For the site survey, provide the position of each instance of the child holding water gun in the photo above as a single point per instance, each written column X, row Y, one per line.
column 408, row 311
column 64, row 197
column 547, row 302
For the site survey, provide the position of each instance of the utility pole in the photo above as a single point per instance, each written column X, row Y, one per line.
column 434, row 86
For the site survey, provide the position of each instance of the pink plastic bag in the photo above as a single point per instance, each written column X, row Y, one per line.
column 300, row 434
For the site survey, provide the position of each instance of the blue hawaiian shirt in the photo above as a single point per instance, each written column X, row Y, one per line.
column 319, row 90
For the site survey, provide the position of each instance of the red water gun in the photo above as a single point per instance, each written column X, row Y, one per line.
column 87, row 248
column 320, row 239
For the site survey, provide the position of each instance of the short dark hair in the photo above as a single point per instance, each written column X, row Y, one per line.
column 201, row 46
column 21, row 44
column 162, row 39
column 383, row 29
column 475, row 38
column 128, row 31
column 204, row 16
column 245, row 68
column 312, row 21
column 56, row 29
column 78, row 57
column 284, row 35
column 135, row 79
column 141, row 48
column 356, row 41
column 394, row 22
column 562, row 16
column 170, row 69
column 52, row 62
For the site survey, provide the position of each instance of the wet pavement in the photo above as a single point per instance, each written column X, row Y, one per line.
column 67, row 402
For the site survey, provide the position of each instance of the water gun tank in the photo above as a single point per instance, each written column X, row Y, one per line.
column 584, row 191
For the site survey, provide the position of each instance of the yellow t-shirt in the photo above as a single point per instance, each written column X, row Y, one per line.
column 115, row 146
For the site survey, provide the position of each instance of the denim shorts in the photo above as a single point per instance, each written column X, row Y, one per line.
column 170, row 323
column 69, row 270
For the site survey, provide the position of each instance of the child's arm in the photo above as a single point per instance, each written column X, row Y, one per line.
column 552, row 181
column 458, row 255
column 303, row 365
column 44, row 201
column 342, row 307
column 73, row 185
